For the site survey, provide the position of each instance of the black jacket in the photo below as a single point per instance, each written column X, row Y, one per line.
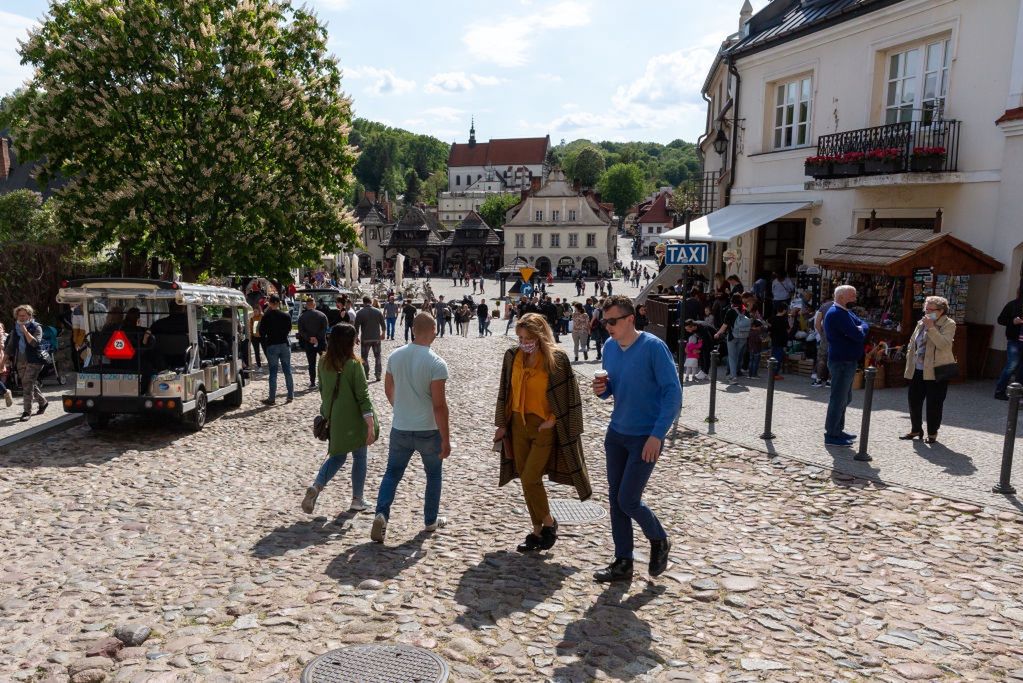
column 32, row 355
column 274, row 327
column 1013, row 309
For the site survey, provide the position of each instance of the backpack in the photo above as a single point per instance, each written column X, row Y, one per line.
column 741, row 328
column 595, row 323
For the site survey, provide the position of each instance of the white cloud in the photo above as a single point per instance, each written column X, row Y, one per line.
column 13, row 27
column 549, row 78
column 508, row 40
column 382, row 81
column 669, row 79
column 446, row 114
column 457, row 81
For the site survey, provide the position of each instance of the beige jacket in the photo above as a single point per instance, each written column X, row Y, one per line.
column 939, row 347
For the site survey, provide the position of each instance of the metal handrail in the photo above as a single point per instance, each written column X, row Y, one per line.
column 909, row 138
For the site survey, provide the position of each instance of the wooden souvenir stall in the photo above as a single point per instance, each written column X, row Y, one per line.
column 895, row 269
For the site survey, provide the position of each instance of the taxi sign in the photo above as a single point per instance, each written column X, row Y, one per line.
column 686, row 254
column 119, row 348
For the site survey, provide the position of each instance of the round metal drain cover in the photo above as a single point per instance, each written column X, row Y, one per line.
column 377, row 664
column 576, row 512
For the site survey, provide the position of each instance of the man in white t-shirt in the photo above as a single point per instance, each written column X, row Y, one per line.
column 414, row 385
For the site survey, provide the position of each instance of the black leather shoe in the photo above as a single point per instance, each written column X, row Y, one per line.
column 548, row 536
column 619, row 570
column 659, row 556
column 531, row 543
column 42, row 408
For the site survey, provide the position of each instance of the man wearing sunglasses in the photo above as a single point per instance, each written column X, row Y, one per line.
column 640, row 373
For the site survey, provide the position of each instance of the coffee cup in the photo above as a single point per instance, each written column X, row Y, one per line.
column 601, row 375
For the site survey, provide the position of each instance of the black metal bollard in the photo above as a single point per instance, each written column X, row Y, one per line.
column 772, row 370
column 869, row 375
column 1015, row 391
column 714, row 358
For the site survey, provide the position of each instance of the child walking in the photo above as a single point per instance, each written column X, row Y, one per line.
column 692, row 364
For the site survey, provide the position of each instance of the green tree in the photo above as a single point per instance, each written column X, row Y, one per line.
column 494, row 208
column 413, row 187
column 589, row 164
column 622, row 185
column 17, row 213
column 210, row 132
column 433, row 186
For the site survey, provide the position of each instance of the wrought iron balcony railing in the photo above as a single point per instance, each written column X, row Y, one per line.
column 909, row 147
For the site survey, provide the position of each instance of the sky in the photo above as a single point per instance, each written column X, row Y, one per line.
column 596, row 69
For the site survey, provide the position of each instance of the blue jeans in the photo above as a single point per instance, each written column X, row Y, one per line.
column 403, row 444
column 778, row 352
column 735, row 347
column 408, row 331
column 1013, row 351
column 279, row 353
column 842, row 374
column 334, row 462
column 390, row 322
column 627, row 476
column 483, row 324
column 754, row 363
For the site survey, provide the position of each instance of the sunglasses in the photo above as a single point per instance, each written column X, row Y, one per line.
column 611, row 322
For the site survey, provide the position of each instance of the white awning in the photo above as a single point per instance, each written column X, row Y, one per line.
column 733, row 220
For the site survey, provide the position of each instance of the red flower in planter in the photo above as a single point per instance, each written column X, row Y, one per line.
column 884, row 154
column 851, row 158
column 929, row 151
column 823, row 159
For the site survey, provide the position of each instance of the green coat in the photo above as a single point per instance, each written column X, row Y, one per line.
column 347, row 424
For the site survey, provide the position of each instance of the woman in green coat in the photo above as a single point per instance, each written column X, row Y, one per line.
column 344, row 400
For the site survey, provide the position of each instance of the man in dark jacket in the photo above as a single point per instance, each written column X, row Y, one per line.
column 482, row 315
column 846, row 335
column 694, row 306
column 312, row 335
column 369, row 322
column 1012, row 318
column 274, row 329
column 550, row 312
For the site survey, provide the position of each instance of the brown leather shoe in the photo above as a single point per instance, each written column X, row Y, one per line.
column 912, row 435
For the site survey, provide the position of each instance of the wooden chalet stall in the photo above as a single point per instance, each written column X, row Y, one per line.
column 895, row 269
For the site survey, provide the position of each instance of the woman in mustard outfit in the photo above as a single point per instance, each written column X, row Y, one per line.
column 539, row 418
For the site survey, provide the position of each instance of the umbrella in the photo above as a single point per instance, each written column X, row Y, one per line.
column 399, row 270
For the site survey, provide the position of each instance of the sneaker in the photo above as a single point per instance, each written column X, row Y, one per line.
column 8, row 398
column 659, row 556
column 42, row 408
column 836, row 441
column 619, row 570
column 309, row 502
column 828, row 384
column 289, row 399
column 376, row 534
column 358, row 505
column 25, row 417
column 268, row 402
column 816, row 383
column 437, row 524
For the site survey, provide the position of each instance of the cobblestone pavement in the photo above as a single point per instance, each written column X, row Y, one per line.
column 10, row 418
column 192, row 548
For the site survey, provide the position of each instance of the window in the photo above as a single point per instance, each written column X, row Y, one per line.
column 373, row 234
column 918, row 82
column 658, row 230
column 555, row 215
column 458, row 179
column 591, row 239
column 520, row 241
column 555, row 240
column 573, row 240
column 792, row 114
column 537, row 240
column 539, row 216
column 571, row 215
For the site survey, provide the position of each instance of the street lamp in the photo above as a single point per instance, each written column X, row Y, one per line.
column 721, row 142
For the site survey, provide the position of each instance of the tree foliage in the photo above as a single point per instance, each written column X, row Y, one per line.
column 622, row 185
column 413, row 186
column 661, row 165
column 211, row 132
column 588, row 166
column 388, row 154
column 494, row 208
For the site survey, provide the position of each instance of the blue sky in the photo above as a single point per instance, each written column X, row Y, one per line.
column 600, row 69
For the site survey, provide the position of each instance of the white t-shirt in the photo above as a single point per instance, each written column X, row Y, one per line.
column 413, row 368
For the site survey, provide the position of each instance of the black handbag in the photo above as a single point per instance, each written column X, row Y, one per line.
column 947, row 372
column 321, row 425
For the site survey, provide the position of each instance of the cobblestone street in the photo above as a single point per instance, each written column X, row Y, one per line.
column 781, row 571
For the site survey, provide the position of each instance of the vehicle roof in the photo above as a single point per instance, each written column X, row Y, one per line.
column 183, row 293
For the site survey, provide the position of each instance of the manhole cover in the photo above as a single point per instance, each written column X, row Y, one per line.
column 377, row 664
column 576, row 512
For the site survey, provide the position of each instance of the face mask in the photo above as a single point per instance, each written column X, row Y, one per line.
column 527, row 347
column 932, row 316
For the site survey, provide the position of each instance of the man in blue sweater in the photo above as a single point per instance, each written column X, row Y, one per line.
column 846, row 335
column 639, row 372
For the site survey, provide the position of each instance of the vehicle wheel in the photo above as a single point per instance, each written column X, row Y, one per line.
column 234, row 399
column 196, row 419
column 97, row 421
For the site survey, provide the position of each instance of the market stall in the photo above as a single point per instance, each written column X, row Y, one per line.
column 894, row 270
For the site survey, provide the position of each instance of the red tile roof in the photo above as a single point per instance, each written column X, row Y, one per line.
column 658, row 211
column 511, row 151
column 1011, row 115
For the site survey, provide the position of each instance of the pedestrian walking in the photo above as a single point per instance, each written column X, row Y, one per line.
column 274, row 330
column 345, row 403
column 598, row 333
column 25, row 354
column 552, row 314
column 694, row 346
column 846, row 335
column 312, row 336
column 254, row 339
column 735, row 331
column 408, row 315
column 440, row 311
column 483, row 316
column 369, row 322
column 821, row 377
column 539, row 424
column 391, row 310
column 930, row 364
column 1011, row 318
column 755, row 344
column 639, row 373
column 415, row 386
column 462, row 317
column 580, row 332
column 5, row 391
column 510, row 314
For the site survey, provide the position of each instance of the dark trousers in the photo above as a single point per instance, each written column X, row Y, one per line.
column 373, row 346
column 933, row 393
column 312, row 354
column 627, row 477
column 255, row 351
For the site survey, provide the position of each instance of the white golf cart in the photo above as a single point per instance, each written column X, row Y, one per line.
column 157, row 348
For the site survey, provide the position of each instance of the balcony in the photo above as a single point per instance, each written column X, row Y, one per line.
column 908, row 153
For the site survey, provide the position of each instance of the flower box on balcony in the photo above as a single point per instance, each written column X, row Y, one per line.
column 928, row 160
column 884, row 160
column 817, row 167
column 849, row 164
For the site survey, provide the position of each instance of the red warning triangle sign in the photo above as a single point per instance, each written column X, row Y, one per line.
column 119, row 348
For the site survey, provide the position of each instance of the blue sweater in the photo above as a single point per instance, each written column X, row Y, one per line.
column 644, row 382
column 846, row 335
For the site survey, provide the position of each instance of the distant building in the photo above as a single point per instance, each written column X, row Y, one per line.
column 653, row 218
column 473, row 246
column 418, row 239
column 374, row 229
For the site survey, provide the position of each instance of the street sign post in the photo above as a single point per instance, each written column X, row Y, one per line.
column 686, row 254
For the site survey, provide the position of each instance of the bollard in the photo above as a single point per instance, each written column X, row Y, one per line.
column 869, row 374
column 772, row 370
column 714, row 357
column 1015, row 391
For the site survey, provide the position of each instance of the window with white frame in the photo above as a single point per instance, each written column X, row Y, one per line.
column 917, row 83
column 591, row 239
column 538, row 240
column 538, row 216
column 555, row 215
column 792, row 113
column 555, row 240
column 571, row 215
column 573, row 240
column 520, row 241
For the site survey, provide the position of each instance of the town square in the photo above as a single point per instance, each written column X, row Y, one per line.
column 533, row 356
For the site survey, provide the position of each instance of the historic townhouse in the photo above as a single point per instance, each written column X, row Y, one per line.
column 880, row 141
column 558, row 228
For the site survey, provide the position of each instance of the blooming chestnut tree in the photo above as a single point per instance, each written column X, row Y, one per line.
column 210, row 132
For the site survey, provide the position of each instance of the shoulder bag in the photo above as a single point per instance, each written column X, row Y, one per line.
column 947, row 372
column 321, row 425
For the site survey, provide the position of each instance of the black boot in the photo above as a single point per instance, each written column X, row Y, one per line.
column 659, row 556
column 619, row 570
column 531, row 543
column 548, row 536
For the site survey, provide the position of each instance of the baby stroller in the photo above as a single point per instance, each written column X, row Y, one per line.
column 50, row 345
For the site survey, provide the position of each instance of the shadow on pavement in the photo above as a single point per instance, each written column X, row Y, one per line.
column 505, row 582
column 610, row 638
column 376, row 561
column 300, row 535
column 955, row 463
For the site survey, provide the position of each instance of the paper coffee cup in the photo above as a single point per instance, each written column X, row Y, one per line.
column 600, row 374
